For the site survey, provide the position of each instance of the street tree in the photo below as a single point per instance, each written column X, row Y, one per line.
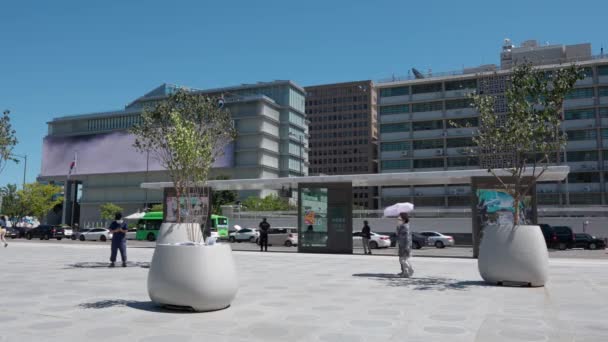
column 37, row 199
column 8, row 140
column 108, row 210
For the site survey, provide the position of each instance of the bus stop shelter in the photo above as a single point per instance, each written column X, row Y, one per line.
column 325, row 202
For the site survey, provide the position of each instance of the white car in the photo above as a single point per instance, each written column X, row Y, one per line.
column 287, row 237
column 94, row 234
column 67, row 232
column 245, row 234
column 131, row 234
column 376, row 241
column 437, row 239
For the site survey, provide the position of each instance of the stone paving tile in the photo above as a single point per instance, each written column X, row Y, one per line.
column 66, row 293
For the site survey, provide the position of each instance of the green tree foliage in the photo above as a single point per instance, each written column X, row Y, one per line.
column 529, row 133
column 10, row 201
column 222, row 197
column 108, row 211
column 8, row 139
column 157, row 207
column 185, row 133
column 268, row 203
column 38, row 199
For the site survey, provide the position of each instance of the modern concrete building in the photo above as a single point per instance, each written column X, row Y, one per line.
column 415, row 115
column 271, row 142
column 344, row 133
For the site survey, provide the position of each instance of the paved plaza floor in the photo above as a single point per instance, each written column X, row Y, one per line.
column 61, row 292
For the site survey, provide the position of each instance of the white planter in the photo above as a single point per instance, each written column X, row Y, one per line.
column 513, row 254
column 197, row 276
column 174, row 232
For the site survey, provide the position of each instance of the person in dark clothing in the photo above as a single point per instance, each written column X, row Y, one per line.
column 366, row 234
column 119, row 240
column 264, row 228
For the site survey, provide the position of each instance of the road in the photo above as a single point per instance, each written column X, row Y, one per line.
column 448, row 252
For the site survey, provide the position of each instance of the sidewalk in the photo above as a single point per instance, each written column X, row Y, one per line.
column 65, row 293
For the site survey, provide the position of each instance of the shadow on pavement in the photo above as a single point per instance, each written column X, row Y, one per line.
column 105, row 264
column 134, row 304
column 423, row 284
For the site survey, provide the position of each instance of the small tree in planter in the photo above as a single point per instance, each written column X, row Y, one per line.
column 186, row 133
column 527, row 136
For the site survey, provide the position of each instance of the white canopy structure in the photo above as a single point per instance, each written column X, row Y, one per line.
column 553, row 173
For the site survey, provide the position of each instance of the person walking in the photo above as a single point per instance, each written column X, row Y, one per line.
column 119, row 240
column 264, row 228
column 366, row 235
column 404, row 236
column 3, row 225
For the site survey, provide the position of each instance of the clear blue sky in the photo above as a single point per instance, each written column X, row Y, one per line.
column 70, row 57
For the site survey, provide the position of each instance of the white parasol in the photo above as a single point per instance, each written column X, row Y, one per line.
column 397, row 208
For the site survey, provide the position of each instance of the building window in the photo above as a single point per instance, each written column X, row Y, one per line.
column 460, row 142
column 580, row 93
column 604, row 112
column 584, row 177
column 395, row 146
column 426, row 88
column 395, row 164
column 427, row 106
column 589, row 134
column 428, row 144
column 602, row 70
column 395, row 128
column 585, row 198
column 603, row 91
column 461, row 84
column 427, row 163
column 604, row 133
column 397, row 91
column 458, row 104
column 581, row 156
column 397, row 109
column 579, row 114
column 457, row 123
column 427, row 125
column 463, row 162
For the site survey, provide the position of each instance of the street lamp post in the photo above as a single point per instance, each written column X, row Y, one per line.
column 24, row 157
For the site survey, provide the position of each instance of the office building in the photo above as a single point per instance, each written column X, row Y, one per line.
column 343, row 133
column 271, row 142
column 416, row 134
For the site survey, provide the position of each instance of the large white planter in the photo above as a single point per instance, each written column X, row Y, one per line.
column 513, row 254
column 197, row 276
column 174, row 232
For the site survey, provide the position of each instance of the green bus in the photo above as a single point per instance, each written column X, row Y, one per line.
column 149, row 226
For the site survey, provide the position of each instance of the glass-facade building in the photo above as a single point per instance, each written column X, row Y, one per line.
column 426, row 123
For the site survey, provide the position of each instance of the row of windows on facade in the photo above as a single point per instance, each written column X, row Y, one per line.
column 324, row 161
column 336, row 152
column 327, row 135
column 569, row 157
column 340, row 117
column 334, row 92
column 114, row 122
column 578, row 93
column 337, row 100
column 339, row 143
column 336, row 109
column 339, row 169
column 339, row 125
column 602, row 70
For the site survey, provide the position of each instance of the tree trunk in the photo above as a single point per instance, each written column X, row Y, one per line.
column 516, row 202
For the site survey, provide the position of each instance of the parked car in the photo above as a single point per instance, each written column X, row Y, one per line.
column 437, row 239
column 94, row 234
column 565, row 237
column 67, row 232
column 45, row 232
column 22, row 231
column 548, row 234
column 418, row 241
column 376, row 240
column 245, row 234
column 12, row 232
column 76, row 233
column 131, row 233
column 587, row 241
column 283, row 236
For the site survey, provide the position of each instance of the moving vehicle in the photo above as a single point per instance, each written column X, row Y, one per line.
column 245, row 234
column 149, row 226
column 45, row 232
column 588, row 241
column 283, row 237
column 376, row 240
column 94, row 234
column 437, row 239
column 418, row 241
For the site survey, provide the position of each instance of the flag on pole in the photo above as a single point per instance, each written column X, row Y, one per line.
column 73, row 164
